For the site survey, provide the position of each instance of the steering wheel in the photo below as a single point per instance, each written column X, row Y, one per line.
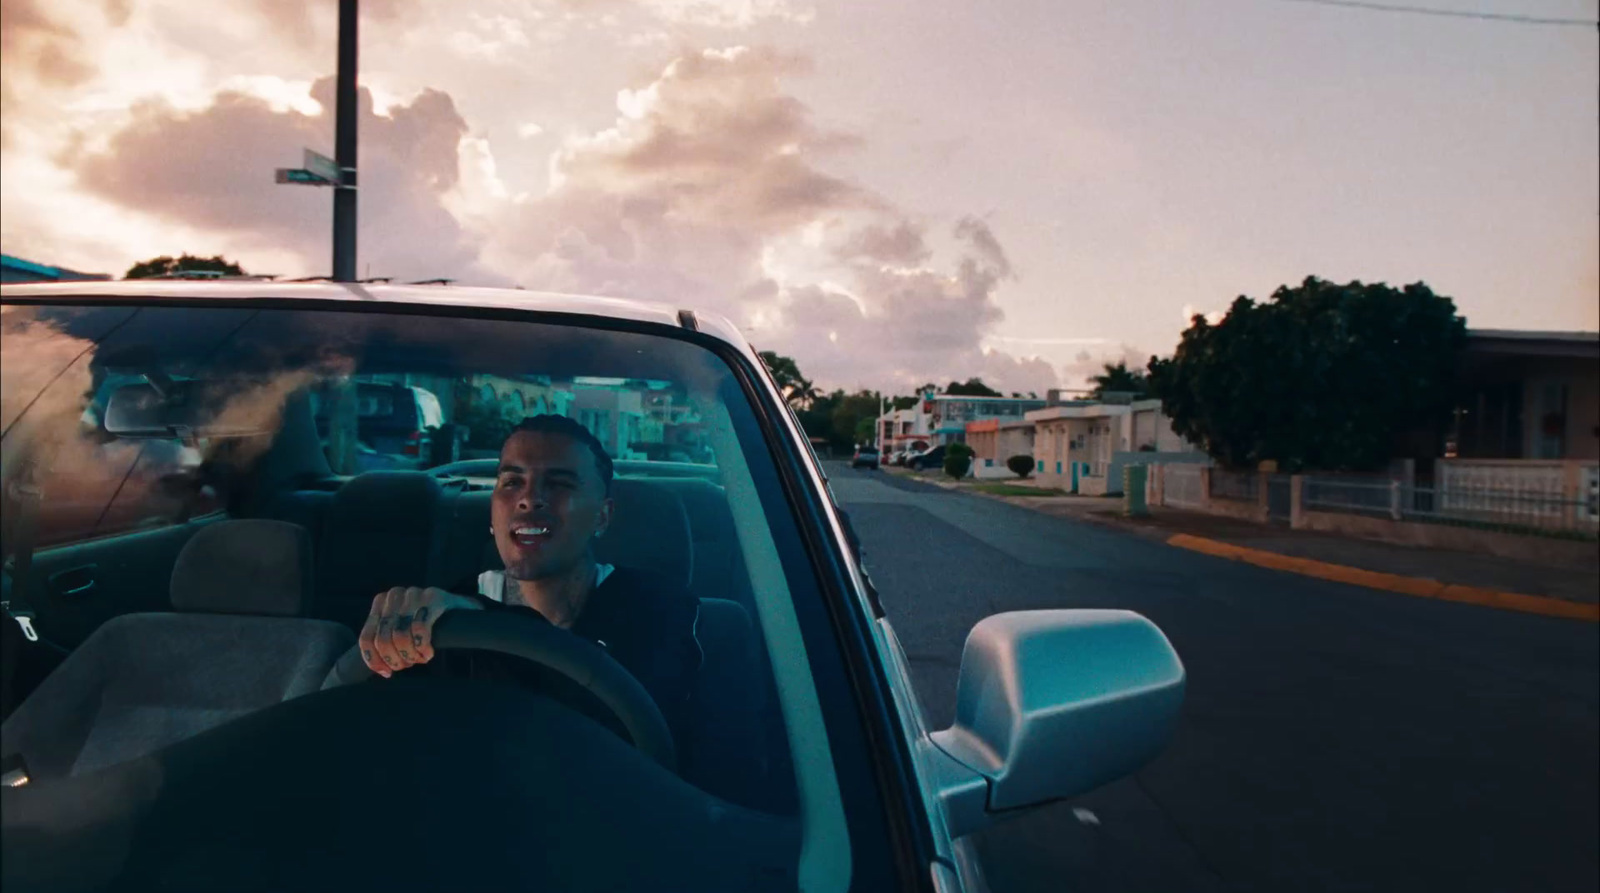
column 534, row 639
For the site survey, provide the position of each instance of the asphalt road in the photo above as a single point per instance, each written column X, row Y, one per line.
column 1333, row 738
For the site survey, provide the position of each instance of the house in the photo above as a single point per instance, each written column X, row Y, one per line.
column 948, row 414
column 616, row 416
column 15, row 269
column 1527, row 418
column 901, row 429
column 1082, row 446
column 1527, row 395
column 994, row 441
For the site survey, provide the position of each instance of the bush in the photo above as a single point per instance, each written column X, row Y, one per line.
column 959, row 449
column 956, row 464
column 1020, row 465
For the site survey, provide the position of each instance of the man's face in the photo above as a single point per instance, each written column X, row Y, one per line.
column 549, row 504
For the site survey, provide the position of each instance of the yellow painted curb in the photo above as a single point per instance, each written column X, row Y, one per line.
column 1420, row 587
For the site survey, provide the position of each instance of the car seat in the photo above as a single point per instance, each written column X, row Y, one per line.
column 236, row 643
column 379, row 531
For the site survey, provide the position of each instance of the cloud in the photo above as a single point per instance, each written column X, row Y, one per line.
column 37, row 46
column 984, row 242
column 211, row 169
column 1190, row 311
column 899, row 244
column 39, row 53
column 731, row 13
column 709, row 190
column 1088, row 363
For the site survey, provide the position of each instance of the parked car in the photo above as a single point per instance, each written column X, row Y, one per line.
column 397, row 427
column 927, row 459
column 807, row 762
column 865, row 457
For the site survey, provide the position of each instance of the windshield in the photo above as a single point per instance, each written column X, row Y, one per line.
column 344, row 455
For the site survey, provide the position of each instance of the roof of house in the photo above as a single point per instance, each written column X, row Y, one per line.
column 1529, row 343
column 1079, row 411
column 49, row 272
column 1525, row 335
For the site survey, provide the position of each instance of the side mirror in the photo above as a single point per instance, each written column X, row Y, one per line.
column 1053, row 704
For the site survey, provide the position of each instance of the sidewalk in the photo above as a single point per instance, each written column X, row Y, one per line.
column 1573, row 584
column 1567, row 591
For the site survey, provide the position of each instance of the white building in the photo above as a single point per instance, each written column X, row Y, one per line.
column 1081, row 447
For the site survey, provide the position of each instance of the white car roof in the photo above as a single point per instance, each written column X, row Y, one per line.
column 159, row 290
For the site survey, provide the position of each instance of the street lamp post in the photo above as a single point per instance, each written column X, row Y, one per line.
column 344, row 145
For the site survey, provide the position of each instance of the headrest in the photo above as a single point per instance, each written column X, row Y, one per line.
column 389, row 498
column 649, row 531
column 250, row 566
column 378, row 532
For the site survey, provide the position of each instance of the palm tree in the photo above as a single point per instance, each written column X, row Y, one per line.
column 1118, row 377
column 797, row 390
column 802, row 393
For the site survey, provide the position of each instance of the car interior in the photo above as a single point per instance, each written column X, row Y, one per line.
column 175, row 638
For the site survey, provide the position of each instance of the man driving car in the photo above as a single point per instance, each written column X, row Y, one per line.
column 551, row 502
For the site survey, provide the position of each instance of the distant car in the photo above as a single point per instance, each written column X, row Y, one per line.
column 396, row 425
column 926, row 459
column 866, row 457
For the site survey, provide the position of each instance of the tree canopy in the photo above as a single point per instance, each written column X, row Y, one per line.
column 1322, row 376
column 972, row 387
column 1117, row 377
column 795, row 387
column 186, row 263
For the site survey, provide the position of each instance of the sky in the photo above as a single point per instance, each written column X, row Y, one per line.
column 891, row 192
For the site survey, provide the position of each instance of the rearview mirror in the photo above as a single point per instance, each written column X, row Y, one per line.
column 1053, row 704
column 180, row 408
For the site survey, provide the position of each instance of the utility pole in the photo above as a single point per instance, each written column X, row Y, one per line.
column 344, row 146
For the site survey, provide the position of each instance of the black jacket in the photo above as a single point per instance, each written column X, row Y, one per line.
column 644, row 621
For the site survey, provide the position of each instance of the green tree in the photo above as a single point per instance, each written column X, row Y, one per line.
column 848, row 414
column 958, row 460
column 1118, row 377
column 796, row 388
column 972, row 387
column 866, row 430
column 1322, row 376
column 187, row 263
column 817, row 417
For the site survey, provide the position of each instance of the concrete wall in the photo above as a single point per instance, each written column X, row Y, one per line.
column 1123, row 459
column 983, row 443
column 1014, row 441
column 991, row 469
column 1095, row 486
column 1569, row 553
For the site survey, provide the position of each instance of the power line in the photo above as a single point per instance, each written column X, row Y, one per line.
column 1508, row 17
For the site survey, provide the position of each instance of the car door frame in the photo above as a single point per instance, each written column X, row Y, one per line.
column 845, row 595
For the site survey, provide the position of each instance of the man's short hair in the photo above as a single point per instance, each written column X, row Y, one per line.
column 560, row 424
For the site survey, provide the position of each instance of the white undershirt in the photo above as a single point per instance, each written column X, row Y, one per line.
column 492, row 584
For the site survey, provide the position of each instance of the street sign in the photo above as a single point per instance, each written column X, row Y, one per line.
column 323, row 166
column 304, row 177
